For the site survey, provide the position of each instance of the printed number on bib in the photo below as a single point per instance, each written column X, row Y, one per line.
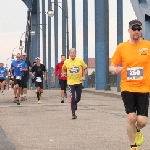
column 38, row 79
column 135, row 73
column 18, row 77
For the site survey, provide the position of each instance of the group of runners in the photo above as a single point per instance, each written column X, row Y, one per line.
column 131, row 59
column 18, row 76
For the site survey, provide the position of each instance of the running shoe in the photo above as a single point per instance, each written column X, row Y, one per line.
column 134, row 148
column 18, row 103
column 62, row 101
column 74, row 116
column 39, row 102
column 139, row 139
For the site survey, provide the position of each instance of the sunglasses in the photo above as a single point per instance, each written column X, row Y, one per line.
column 136, row 28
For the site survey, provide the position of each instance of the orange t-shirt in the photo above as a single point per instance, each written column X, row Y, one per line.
column 135, row 60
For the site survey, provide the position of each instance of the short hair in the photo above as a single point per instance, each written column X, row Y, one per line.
column 72, row 49
column 63, row 55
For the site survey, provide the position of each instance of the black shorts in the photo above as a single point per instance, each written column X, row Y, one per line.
column 11, row 78
column 1, row 80
column 136, row 102
column 25, row 79
column 39, row 84
column 17, row 81
column 63, row 84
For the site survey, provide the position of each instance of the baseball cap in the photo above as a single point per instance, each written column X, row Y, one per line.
column 24, row 54
column 37, row 58
column 135, row 22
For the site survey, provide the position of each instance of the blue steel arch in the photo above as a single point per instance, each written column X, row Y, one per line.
column 141, row 8
column 32, row 5
column 142, row 11
column 31, row 12
column 28, row 3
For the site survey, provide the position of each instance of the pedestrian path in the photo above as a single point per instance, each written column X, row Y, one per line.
column 48, row 126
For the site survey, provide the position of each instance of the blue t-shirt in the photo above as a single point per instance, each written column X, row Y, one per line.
column 17, row 65
column 3, row 72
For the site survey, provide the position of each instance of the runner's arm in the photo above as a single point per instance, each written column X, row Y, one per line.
column 114, row 69
column 25, row 67
column 64, row 70
column 56, row 69
column 32, row 71
column 11, row 68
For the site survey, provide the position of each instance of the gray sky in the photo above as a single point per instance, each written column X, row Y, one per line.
column 13, row 14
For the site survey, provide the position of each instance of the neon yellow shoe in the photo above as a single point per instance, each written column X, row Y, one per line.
column 39, row 102
column 139, row 139
column 40, row 94
column 134, row 148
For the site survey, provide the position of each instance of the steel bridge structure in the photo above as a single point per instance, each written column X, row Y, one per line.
column 32, row 43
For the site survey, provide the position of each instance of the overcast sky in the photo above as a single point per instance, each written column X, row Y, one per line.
column 13, row 14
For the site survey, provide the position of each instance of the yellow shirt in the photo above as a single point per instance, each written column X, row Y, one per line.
column 135, row 60
column 74, row 70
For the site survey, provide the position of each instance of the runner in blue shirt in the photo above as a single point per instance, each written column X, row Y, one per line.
column 3, row 74
column 19, row 67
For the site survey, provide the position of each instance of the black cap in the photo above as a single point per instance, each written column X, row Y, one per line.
column 135, row 22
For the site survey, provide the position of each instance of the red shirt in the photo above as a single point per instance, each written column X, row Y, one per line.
column 58, row 71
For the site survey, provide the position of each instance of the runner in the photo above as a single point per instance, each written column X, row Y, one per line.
column 62, row 79
column 25, row 78
column 76, row 72
column 19, row 67
column 37, row 72
column 134, row 55
column 3, row 74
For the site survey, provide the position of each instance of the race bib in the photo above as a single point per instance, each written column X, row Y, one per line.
column 38, row 79
column 135, row 73
column 18, row 77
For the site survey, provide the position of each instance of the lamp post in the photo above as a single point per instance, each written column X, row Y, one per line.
column 21, row 48
column 6, row 62
column 51, row 14
column 32, row 32
column 12, row 57
column 36, row 52
column 21, row 37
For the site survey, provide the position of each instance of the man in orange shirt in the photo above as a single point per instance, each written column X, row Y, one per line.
column 134, row 55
